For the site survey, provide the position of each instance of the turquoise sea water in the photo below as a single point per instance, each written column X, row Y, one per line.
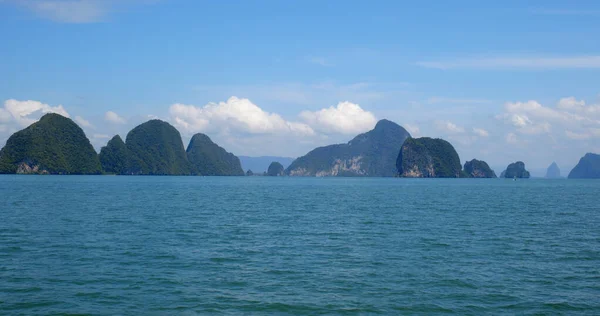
column 196, row 245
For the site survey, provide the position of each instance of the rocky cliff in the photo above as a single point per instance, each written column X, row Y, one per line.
column 370, row 154
column 478, row 169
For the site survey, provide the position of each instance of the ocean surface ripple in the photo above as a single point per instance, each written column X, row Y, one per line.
column 244, row 245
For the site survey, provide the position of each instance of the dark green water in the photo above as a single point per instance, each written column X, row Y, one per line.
column 193, row 245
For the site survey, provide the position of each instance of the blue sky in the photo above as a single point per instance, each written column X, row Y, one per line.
column 503, row 81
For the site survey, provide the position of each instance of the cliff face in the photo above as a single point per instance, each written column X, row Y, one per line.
column 478, row 169
column 209, row 159
column 515, row 170
column 587, row 168
column 370, row 154
column 428, row 158
column 53, row 145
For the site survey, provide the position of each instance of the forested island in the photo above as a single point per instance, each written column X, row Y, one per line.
column 57, row 145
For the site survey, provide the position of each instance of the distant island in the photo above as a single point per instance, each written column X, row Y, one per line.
column 261, row 164
column 275, row 169
column 553, row 172
column 478, row 169
column 372, row 154
column 515, row 170
column 52, row 145
column 587, row 168
column 57, row 145
column 428, row 158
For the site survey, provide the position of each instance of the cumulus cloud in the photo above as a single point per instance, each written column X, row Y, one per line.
column 114, row 118
column 533, row 118
column 25, row 113
column 511, row 138
column 414, row 130
column 234, row 115
column 5, row 116
column 449, row 127
column 345, row 118
column 83, row 122
column 480, row 132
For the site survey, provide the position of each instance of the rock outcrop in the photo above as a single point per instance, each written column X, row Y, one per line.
column 515, row 170
column 478, row 169
column 370, row 154
column 428, row 158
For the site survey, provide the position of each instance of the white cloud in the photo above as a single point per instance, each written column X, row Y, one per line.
column 236, row 114
column 568, row 62
column 345, row 118
column 449, row 127
column 570, row 103
column 5, row 116
column 579, row 107
column 82, row 122
column 511, row 138
column 309, row 94
column 481, row 132
column 74, row 11
column 414, row 130
column 25, row 113
column 114, row 118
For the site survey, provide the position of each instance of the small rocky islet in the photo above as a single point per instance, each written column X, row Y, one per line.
column 57, row 145
column 515, row 170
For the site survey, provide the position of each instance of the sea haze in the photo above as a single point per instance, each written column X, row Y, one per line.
column 275, row 245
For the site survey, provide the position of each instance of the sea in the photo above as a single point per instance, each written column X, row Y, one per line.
column 119, row 245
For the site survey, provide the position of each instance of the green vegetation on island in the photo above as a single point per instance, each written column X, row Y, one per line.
column 369, row 154
column 53, row 145
column 478, row 169
column 275, row 169
column 209, row 159
column 57, row 145
column 587, row 168
column 156, row 148
column 115, row 157
column 515, row 170
column 428, row 158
